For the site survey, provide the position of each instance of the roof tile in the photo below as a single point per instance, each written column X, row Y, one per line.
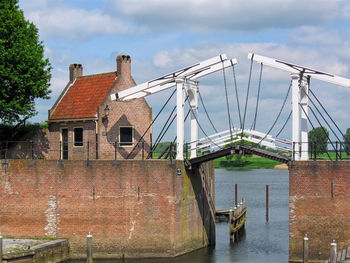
column 83, row 98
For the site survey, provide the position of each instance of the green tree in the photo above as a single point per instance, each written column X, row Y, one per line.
column 347, row 141
column 24, row 72
column 319, row 137
column 237, row 159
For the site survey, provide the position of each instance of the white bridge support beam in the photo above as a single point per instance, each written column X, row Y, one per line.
column 304, row 100
column 186, row 87
column 180, row 100
column 295, row 116
column 192, row 91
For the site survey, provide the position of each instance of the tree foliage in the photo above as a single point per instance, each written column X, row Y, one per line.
column 347, row 141
column 237, row 159
column 319, row 137
column 24, row 72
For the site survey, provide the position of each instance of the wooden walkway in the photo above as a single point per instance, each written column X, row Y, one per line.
column 236, row 218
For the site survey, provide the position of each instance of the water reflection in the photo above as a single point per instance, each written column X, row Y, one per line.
column 262, row 242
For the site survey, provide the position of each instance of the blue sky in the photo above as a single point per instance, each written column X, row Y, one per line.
column 164, row 35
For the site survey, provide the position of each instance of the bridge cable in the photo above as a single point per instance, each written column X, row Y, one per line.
column 227, row 104
column 284, row 125
column 188, row 113
column 324, row 118
column 157, row 141
column 166, row 127
column 257, row 98
column 167, row 101
column 237, row 99
column 246, row 100
column 200, row 126
column 279, row 114
column 169, row 127
column 206, row 112
column 326, row 112
column 313, row 127
column 323, row 129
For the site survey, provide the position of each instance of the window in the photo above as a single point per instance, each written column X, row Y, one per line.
column 78, row 136
column 125, row 136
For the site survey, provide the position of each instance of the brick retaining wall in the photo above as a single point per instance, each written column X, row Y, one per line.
column 313, row 210
column 133, row 208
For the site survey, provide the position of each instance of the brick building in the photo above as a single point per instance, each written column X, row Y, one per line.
column 84, row 122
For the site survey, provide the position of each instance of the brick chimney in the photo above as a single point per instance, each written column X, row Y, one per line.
column 75, row 70
column 124, row 66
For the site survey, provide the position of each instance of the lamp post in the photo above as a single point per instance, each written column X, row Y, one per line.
column 106, row 113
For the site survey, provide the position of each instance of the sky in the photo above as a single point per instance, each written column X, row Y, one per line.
column 162, row 36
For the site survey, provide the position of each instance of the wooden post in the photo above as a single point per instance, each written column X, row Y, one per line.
column 89, row 248
column 230, row 220
column 333, row 256
column 1, row 246
column 236, row 194
column 267, row 203
column 306, row 249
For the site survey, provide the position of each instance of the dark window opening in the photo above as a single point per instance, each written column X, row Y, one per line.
column 78, row 136
column 125, row 136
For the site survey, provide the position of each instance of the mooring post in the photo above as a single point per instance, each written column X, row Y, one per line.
column 230, row 220
column 267, row 203
column 306, row 249
column 89, row 248
column 333, row 256
column 236, row 194
column 1, row 245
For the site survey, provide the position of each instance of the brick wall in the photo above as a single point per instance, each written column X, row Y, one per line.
column 133, row 208
column 315, row 211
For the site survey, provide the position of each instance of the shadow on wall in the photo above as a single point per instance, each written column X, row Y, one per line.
column 124, row 151
column 33, row 145
column 200, row 178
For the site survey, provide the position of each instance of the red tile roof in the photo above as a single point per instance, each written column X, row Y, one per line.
column 84, row 96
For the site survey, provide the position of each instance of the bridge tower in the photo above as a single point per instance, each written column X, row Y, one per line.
column 300, row 76
column 184, row 80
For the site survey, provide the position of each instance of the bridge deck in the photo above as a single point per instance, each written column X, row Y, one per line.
column 239, row 149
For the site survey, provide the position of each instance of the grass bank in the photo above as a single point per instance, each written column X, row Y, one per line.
column 246, row 163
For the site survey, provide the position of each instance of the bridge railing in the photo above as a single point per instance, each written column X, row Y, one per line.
column 332, row 150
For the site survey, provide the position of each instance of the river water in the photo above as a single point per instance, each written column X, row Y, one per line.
column 262, row 242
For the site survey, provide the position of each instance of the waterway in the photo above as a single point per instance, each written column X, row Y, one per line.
column 262, row 241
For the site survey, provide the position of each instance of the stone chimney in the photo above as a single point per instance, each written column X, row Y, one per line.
column 75, row 70
column 124, row 66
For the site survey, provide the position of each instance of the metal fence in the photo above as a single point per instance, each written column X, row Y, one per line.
column 332, row 150
column 86, row 150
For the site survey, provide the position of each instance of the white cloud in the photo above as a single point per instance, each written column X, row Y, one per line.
column 274, row 85
column 56, row 19
column 227, row 15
